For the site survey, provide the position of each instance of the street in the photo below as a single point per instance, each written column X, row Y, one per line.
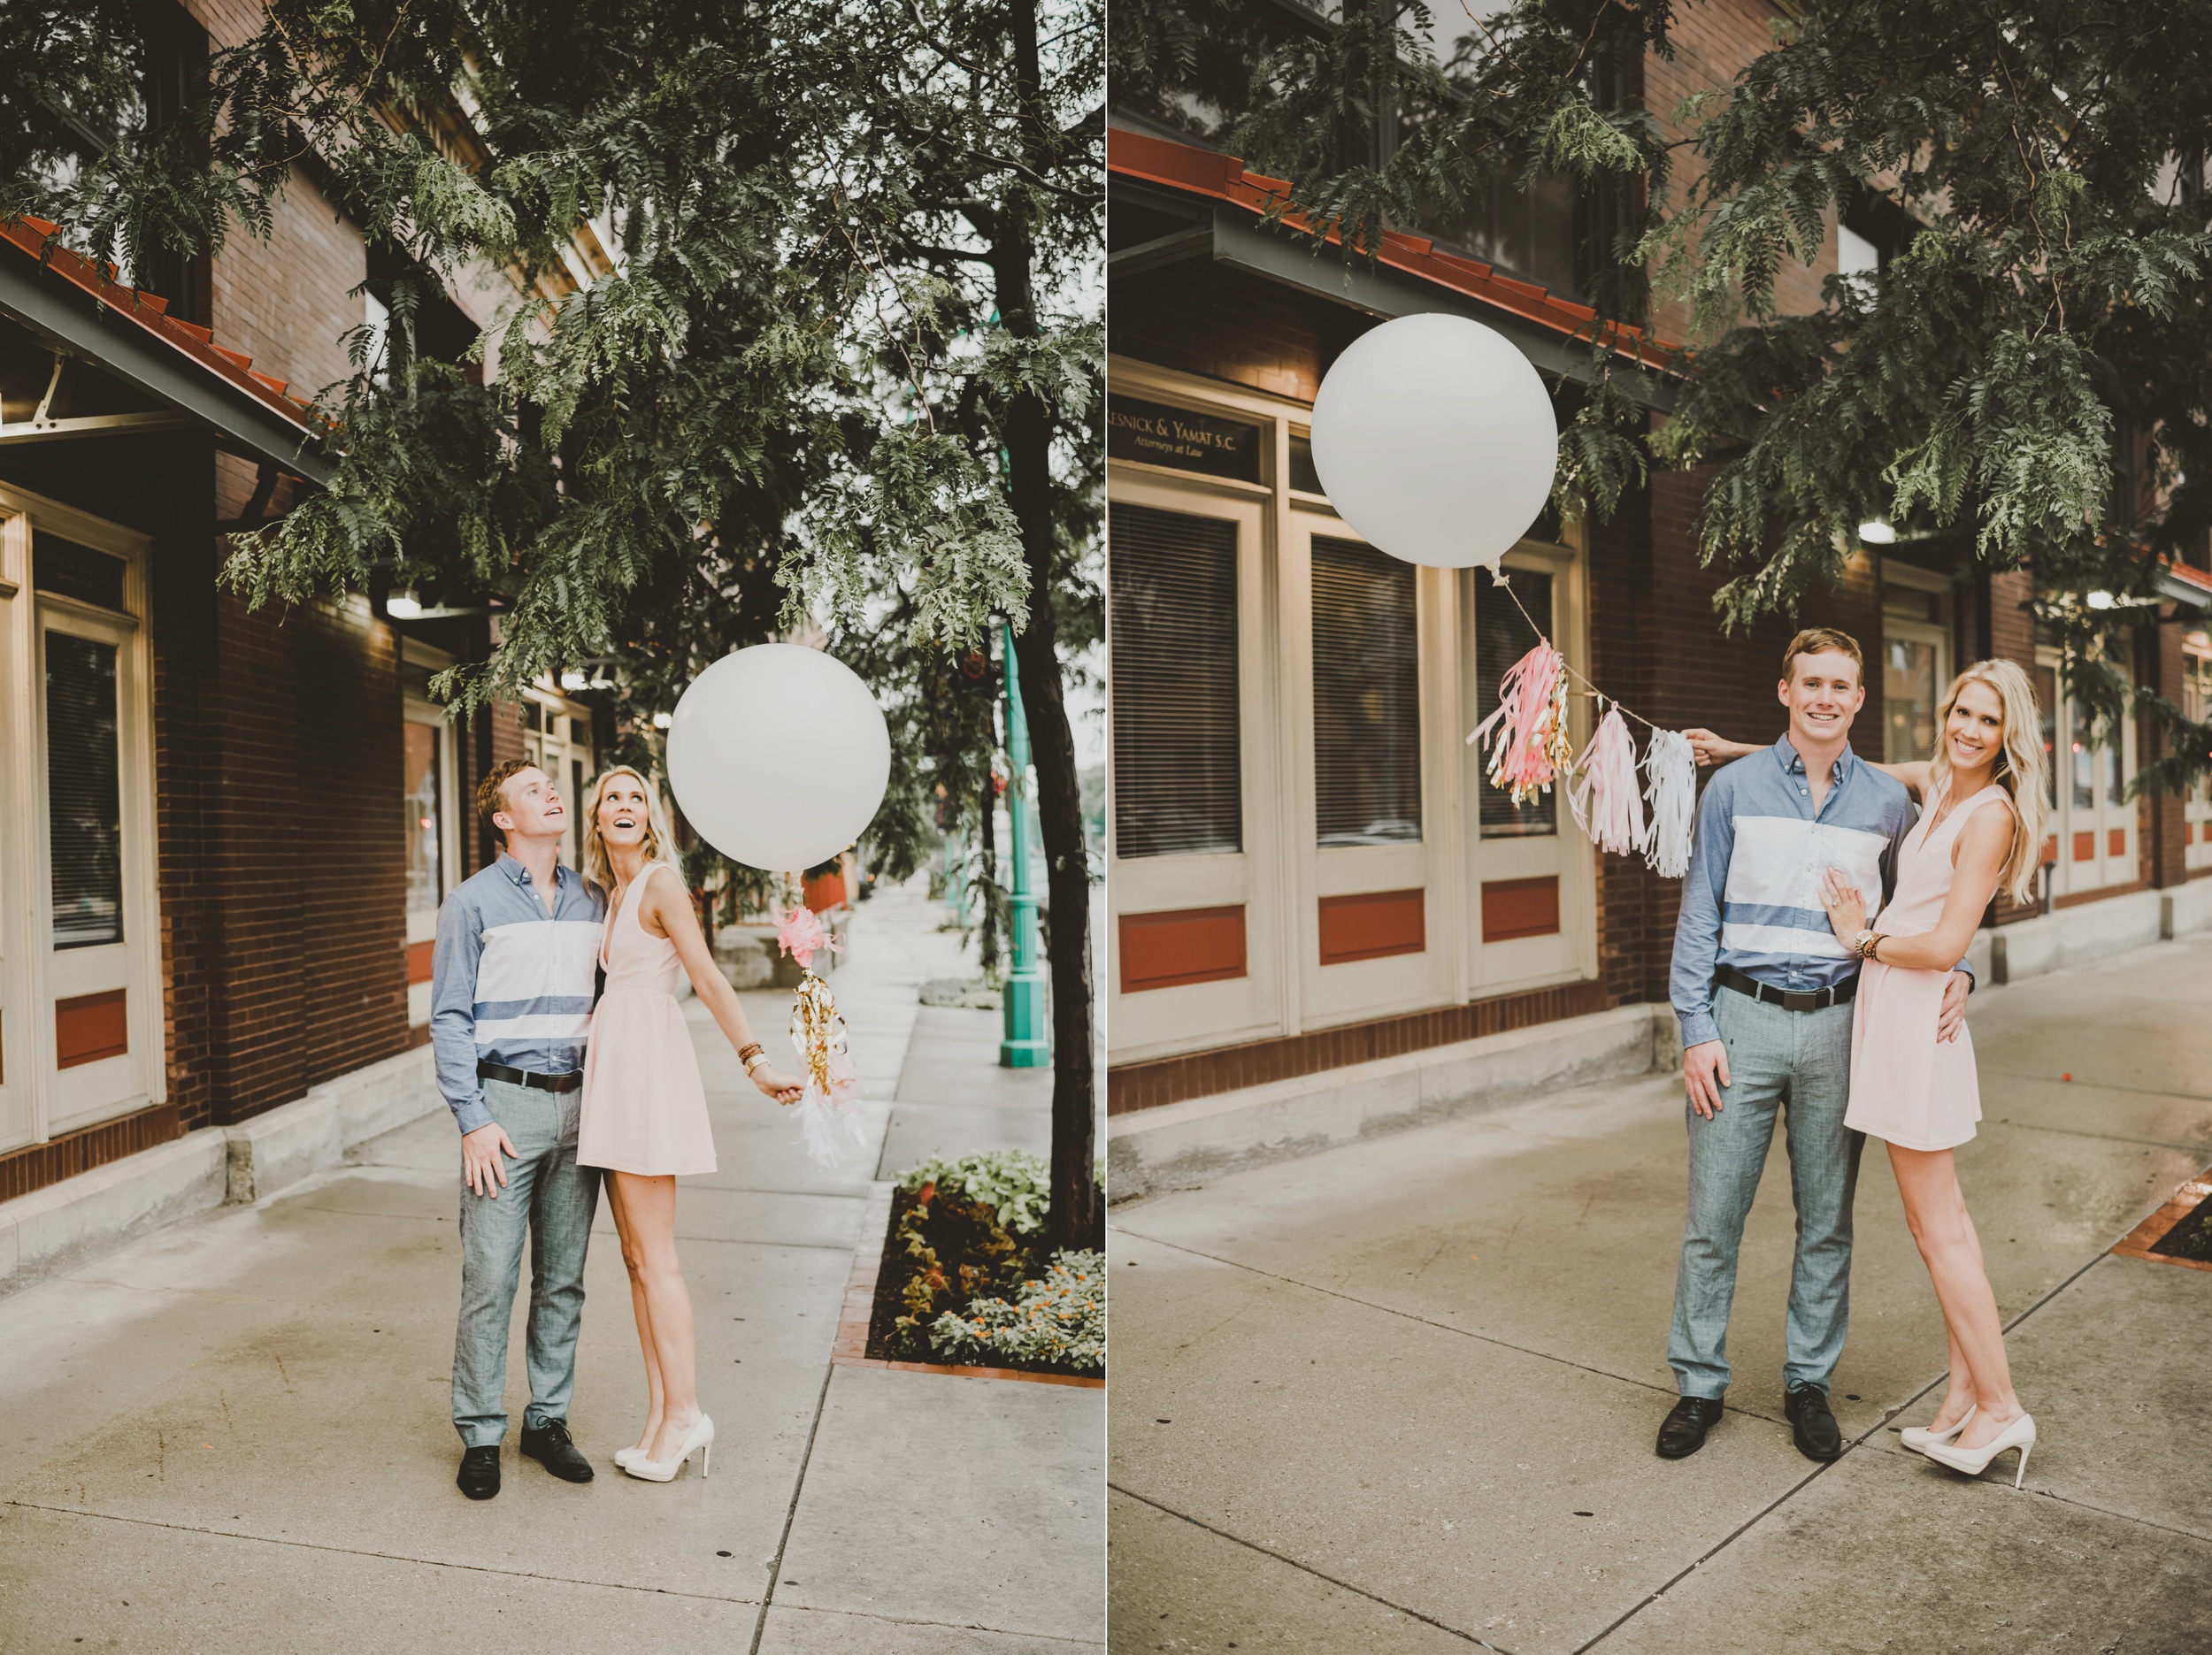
column 234, row 1435
column 1402, row 1395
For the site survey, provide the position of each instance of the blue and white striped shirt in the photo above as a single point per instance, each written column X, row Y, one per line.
column 510, row 983
column 1752, row 899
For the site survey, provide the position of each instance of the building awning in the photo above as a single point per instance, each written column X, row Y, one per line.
column 1224, row 205
column 157, row 372
column 2178, row 582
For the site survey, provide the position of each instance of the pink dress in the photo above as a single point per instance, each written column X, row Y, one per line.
column 644, row 1110
column 1907, row 1088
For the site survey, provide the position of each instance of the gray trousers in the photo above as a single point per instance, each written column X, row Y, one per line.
column 1795, row 1064
column 551, row 1200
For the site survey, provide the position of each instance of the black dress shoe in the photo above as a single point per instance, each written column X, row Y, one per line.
column 1682, row 1433
column 549, row 1446
column 480, row 1472
column 1810, row 1422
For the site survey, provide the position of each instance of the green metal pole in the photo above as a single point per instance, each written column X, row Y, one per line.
column 1026, row 1044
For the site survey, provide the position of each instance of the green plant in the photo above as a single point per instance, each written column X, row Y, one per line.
column 1013, row 1183
column 1059, row 1318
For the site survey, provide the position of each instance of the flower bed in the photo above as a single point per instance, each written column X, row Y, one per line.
column 966, row 1278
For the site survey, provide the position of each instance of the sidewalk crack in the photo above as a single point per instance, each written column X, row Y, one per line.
column 1307, row 1568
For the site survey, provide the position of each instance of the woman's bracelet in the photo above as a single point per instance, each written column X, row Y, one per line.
column 751, row 1055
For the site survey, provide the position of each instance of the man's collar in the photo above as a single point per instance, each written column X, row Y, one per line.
column 1793, row 761
column 515, row 871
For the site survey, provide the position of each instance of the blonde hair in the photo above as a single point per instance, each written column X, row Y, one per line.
column 660, row 844
column 2020, row 769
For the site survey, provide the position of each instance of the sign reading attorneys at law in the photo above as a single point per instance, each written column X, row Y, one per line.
column 1160, row 435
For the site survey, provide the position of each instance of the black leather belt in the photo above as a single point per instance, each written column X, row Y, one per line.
column 1788, row 1000
column 524, row 1078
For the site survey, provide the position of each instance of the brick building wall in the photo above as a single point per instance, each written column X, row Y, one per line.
column 1712, row 41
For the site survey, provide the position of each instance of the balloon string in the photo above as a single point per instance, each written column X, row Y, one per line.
column 1589, row 688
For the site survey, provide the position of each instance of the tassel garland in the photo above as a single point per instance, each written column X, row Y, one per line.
column 1671, row 769
column 1528, row 746
column 1529, row 750
column 828, row 1110
column 1602, row 791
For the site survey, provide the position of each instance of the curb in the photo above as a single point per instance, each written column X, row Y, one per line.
column 1178, row 1146
column 62, row 1225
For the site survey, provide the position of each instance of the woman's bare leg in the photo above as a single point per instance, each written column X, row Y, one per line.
column 632, row 1261
column 1960, row 1396
column 1936, row 1209
column 651, row 1205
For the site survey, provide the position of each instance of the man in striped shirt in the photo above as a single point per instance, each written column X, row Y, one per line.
column 1763, row 988
column 512, row 981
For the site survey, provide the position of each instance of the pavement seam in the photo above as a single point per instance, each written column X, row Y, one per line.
column 952, row 1625
column 358, row 1551
column 1444, row 1327
column 791, row 1512
column 1307, row 1568
column 2102, row 1085
column 1862, row 1440
column 2101, row 1137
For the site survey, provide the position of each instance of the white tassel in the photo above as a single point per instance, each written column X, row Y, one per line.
column 1671, row 791
column 1602, row 791
column 824, row 1121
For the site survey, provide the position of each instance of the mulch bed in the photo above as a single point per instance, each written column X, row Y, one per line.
column 2179, row 1232
column 958, row 1239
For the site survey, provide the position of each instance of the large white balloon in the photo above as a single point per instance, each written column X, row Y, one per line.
column 778, row 756
column 1435, row 439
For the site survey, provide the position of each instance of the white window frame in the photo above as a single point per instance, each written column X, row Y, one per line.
column 1281, row 874
column 539, row 747
column 2196, row 666
column 39, row 1102
column 2104, row 869
column 418, row 709
column 1906, row 630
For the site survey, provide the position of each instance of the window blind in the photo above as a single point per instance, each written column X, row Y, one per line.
column 1502, row 636
column 83, row 791
column 1366, row 697
column 1177, row 772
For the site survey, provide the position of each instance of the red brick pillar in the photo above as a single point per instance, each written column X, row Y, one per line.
column 2161, row 847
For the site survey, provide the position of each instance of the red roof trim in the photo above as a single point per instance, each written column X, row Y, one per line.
column 35, row 236
column 2183, row 572
column 1204, row 172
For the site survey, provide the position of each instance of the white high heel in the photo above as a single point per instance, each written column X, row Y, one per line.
column 623, row 1456
column 2020, row 1435
column 700, row 1437
column 1916, row 1437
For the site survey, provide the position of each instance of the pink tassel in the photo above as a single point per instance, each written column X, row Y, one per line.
column 1529, row 748
column 801, row 934
column 1608, row 804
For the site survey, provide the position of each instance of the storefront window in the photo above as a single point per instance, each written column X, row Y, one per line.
column 83, row 791
column 1178, row 775
column 1366, row 697
column 1502, row 636
column 424, row 805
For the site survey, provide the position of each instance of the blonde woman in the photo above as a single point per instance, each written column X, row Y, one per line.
column 1982, row 807
column 644, row 1115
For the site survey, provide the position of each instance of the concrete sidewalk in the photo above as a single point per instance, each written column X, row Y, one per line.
column 1402, row 1395
column 279, row 1373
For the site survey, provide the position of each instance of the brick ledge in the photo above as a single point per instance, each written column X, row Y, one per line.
column 1165, row 1080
